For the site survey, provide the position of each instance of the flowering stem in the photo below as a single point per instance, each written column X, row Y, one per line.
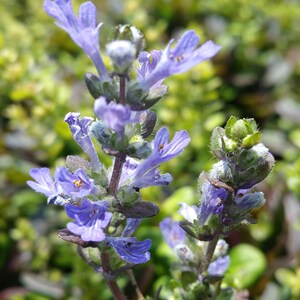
column 116, row 175
column 135, row 285
column 117, row 170
column 211, row 249
column 112, row 284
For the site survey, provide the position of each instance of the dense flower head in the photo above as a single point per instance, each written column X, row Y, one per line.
column 158, row 65
column 90, row 220
column 82, row 29
column 131, row 250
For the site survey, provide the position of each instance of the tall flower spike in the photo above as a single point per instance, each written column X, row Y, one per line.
column 157, row 65
column 81, row 134
column 91, row 219
column 82, row 29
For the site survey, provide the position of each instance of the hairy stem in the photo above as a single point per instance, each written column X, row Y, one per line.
column 211, row 249
column 112, row 284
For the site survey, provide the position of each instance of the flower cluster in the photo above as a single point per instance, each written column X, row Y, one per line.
column 104, row 204
column 226, row 201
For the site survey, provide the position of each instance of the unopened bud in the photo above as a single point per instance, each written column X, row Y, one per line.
column 122, row 54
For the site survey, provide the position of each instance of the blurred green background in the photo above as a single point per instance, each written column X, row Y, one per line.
column 256, row 74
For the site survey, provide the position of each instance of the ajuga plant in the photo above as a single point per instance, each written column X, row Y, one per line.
column 104, row 204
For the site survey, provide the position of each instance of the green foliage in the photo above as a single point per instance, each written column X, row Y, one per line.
column 255, row 75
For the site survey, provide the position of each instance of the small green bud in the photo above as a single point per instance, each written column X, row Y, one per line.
column 101, row 132
column 239, row 130
column 148, row 121
column 98, row 88
column 140, row 150
column 251, row 140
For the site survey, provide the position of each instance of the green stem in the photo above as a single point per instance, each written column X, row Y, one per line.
column 210, row 249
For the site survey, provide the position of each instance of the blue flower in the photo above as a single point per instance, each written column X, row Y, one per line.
column 162, row 150
column 91, row 219
column 114, row 115
column 211, row 201
column 48, row 186
column 77, row 185
column 44, row 182
column 82, row 29
column 190, row 213
column 131, row 250
column 131, row 225
column 81, row 134
column 158, row 65
column 173, row 234
column 219, row 266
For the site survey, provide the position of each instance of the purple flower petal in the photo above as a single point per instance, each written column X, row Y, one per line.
column 48, row 186
column 211, row 201
column 114, row 115
column 90, row 220
column 82, row 29
column 130, row 250
column 77, row 184
column 81, row 134
column 131, row 225
column 173, row 234
column 162, row 150
column 157, row 66
column 219, row 266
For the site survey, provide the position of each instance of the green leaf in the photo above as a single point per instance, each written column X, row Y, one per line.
column 247, row 264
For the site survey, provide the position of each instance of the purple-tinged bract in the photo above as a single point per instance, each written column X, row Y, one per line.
column 211, row 201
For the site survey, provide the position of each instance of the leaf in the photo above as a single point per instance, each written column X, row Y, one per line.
column 247, row 264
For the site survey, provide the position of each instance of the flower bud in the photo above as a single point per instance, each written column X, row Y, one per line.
column 101, row 132
column 185, row 254
column 122, row 53
column 132, row 34
column 248, row 202
column 98, row 88
column 140, row 150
